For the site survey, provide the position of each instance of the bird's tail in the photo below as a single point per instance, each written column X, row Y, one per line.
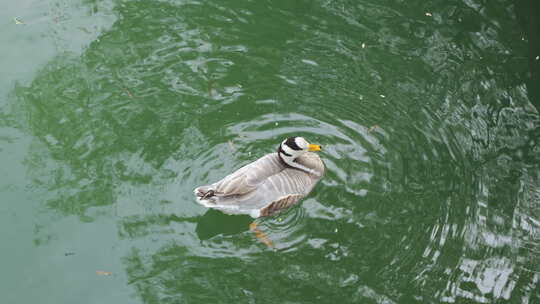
column 204, row 192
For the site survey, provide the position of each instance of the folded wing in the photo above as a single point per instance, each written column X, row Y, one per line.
column 263, row 187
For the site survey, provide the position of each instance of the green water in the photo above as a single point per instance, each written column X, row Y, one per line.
column 111, row 112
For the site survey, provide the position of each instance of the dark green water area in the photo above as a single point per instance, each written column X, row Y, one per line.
column 113, row 111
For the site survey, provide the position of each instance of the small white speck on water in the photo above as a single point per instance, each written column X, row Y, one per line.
column 363, row 45
column 336, row 230
column 277, row 123
column 428, row 14
column 522, row 38
column 249, row 153
column 382, row 96
column 537, row 57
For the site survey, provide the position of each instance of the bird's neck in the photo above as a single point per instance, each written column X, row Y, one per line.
column 290, row 162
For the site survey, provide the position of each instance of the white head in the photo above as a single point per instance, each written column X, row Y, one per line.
column 293, row 147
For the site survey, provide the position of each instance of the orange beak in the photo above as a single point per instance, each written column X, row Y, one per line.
column 314, row 148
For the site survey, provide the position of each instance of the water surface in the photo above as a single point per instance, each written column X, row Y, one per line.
column 113, row 111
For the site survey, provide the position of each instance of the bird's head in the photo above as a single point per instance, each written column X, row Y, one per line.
column 292, row 147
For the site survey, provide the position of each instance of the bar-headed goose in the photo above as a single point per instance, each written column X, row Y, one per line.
column 273, row 182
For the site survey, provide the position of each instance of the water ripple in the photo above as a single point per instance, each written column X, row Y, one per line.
column 431, row 148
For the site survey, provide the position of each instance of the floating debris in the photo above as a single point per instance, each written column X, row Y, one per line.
column 18, row 20
column 69, row 253
column 537, row 57
column 103, row 273
column 429, row 14
column 363, row 45
column 382, row 96
column 128, row 92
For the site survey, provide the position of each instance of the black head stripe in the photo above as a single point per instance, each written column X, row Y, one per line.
column 292, row 144
column 282, row 161
column 280, row 150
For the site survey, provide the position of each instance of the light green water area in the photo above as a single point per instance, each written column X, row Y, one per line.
column 113, row 111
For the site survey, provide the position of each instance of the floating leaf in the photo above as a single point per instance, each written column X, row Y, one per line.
column 103, row 273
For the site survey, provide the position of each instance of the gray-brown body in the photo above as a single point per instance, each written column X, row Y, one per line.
column 262, row 187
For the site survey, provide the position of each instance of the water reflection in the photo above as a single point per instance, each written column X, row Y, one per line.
column 214, row 223
column 430, row 144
